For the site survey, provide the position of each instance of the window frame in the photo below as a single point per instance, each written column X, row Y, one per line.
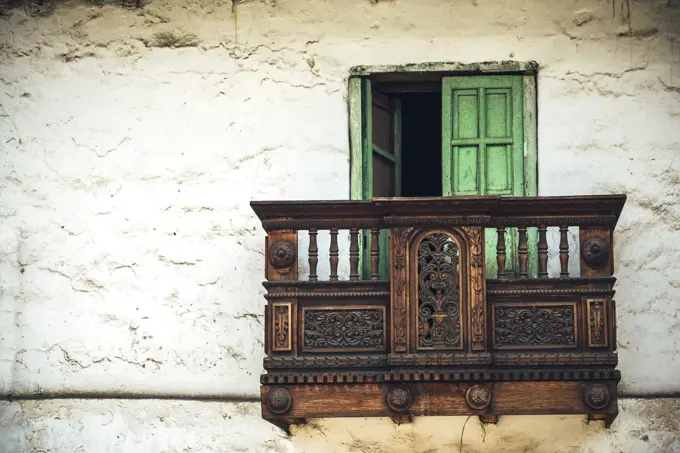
column 356, row 98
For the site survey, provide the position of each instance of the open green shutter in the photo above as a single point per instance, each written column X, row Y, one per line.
column 381, row 162
column 482, row 144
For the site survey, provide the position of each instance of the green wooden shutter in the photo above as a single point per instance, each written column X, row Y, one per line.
column 482, row 145
column 482, row 135
column 381, row 162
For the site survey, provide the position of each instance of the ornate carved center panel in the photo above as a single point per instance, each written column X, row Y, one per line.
column 534, row 326
column 439, row 302
column 341, row 329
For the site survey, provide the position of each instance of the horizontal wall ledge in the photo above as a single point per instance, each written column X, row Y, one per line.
column 218, row 397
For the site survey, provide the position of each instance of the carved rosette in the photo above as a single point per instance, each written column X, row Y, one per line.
column 477, row 280
column 478, row 397
column 399, row 309
column 595, row 252
column 399, row 399
column 279, row 400
column 597, row 396
column 282, row 254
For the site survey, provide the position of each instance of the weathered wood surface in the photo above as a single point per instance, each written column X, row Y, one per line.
column 440, row 337
column 601, row 210
column 439, row 398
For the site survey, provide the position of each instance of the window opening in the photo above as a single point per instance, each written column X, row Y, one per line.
column 421, row 145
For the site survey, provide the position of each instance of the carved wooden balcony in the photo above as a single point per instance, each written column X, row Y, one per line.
column 415, row 318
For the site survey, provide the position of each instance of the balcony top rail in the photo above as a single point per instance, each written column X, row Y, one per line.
column 490, row 211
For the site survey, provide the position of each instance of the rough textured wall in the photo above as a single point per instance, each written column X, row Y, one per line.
column 131, row 142
column 176, row 426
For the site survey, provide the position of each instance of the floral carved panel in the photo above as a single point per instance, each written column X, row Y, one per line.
column 343, row 329
column 534, row 326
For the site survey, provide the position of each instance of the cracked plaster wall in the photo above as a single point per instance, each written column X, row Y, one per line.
column 131, row 142
column 173, row 426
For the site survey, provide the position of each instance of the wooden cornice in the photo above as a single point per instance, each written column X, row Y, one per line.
column 486, row 210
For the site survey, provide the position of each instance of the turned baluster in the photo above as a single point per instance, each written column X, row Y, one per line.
column 500, row 252
column 542, row 252
column 564, row 252
column 313, row 253
column 354, row 254
column 522, row 251
column 375, row 253
column 334, row 253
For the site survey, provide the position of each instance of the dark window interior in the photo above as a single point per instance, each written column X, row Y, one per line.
column 421, row 146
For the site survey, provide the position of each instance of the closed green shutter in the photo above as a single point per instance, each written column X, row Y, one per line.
column 482, row 144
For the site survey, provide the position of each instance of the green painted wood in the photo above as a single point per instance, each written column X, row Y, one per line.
column 447, row 136
column 530, row 109
column 385, row 154
column 396, row 143
column 499, row 173
column 367, row 135
column 355, row 139
column 360, row 184
column 487, row 67
column 483, row 145
column 518, row 131
column 395, row 107
column 368, row 150
column 361, row 162
column 357, row 160
column 367, row 159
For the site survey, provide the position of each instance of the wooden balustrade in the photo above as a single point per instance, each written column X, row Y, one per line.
column 313, row 254
column 541, row 250
column 518, row 216
column 375, row 253
column 354, row 254
column 564, row 251
column 522, row 250
column 500, row 252
column 334, row 253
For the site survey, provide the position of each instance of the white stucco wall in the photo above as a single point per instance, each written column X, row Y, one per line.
column 130, row 260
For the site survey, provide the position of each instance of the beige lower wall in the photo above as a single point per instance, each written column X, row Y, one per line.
column 74, row 426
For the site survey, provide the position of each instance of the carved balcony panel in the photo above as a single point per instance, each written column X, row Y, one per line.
column 440, row 306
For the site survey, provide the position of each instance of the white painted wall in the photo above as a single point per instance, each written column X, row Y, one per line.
column 130, row 260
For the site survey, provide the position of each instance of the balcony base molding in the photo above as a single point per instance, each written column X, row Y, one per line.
column 284, row 405
column 389, row 361
column 437, row 375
